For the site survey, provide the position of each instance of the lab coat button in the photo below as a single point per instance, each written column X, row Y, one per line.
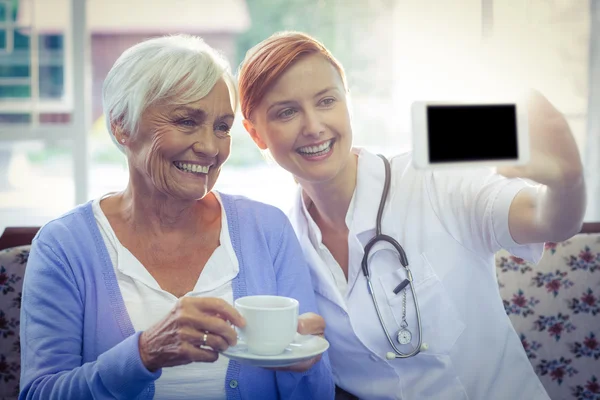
column 233, row 383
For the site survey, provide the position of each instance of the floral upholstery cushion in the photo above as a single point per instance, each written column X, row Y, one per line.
column 12, row 268
column 555, row 308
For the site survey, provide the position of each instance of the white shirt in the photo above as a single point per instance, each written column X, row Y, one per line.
column 147, row 303
column 450, row 224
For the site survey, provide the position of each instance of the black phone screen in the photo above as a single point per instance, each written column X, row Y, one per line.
column 462, row 133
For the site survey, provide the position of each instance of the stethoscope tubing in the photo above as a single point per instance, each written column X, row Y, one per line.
column 403, row 261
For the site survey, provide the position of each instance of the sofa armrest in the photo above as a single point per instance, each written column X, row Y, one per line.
column 17, row 236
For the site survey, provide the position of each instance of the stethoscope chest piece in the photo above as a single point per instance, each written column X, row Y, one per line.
column 404, row 336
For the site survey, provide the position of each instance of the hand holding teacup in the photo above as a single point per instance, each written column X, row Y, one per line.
column 195, row 330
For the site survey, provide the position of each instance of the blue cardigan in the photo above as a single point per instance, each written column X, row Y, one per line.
column 77, row 341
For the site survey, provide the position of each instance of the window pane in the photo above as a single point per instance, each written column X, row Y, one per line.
column 51, row 66
column 36, row 171
column 36, row 182
column 15, row 69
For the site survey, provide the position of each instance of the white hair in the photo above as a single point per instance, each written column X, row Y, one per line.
column 177, row 69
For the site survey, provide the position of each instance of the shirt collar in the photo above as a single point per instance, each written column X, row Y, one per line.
column 226, row 268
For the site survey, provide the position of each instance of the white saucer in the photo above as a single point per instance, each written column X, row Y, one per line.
column 302, row 348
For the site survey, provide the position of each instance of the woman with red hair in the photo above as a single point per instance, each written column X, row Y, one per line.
column 456, row 341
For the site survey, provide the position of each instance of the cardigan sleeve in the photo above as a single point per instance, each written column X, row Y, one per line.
column 52, row 338
column 293, row 280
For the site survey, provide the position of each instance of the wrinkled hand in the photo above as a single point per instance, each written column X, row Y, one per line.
column 555, row 158
column 178, row 339
column 308, row 324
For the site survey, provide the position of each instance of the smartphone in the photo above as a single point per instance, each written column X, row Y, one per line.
column 466, row 134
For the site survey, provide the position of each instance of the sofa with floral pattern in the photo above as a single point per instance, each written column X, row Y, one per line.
column 554, row 307
column 12, row 268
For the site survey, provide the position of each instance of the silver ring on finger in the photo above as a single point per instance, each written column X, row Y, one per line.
column 204, row 338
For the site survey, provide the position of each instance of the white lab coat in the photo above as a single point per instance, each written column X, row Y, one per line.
column 450, row 224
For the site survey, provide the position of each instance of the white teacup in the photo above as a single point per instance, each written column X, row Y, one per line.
column 271, row 323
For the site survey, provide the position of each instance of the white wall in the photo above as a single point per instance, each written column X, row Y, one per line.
column 439, row 52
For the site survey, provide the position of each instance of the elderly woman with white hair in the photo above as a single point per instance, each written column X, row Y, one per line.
column 130, row 295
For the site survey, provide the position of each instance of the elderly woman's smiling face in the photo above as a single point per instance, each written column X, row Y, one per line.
column 179, row 149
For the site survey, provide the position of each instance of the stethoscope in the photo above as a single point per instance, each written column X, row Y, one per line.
column 404, row 335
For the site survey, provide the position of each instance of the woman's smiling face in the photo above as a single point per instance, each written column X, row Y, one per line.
column 304, row 121
column 179, row 149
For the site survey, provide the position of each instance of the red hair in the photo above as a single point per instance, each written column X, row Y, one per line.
column 269, row 59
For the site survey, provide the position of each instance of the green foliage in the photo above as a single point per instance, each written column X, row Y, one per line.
column 338, row 24
column 270, row 16
column 244, row 151
column 109, row 155
column 50, row 151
